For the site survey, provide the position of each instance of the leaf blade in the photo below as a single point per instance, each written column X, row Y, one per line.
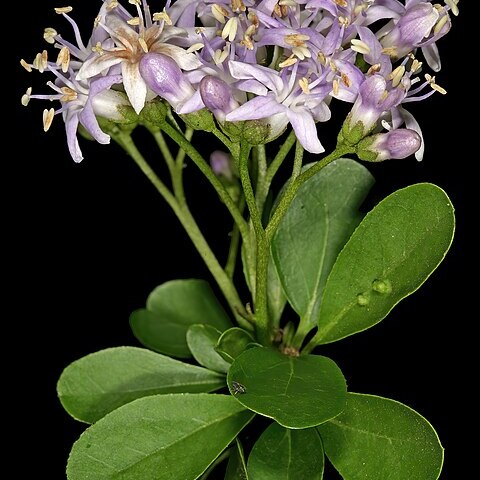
column 169, row 437
column 94, row 385
column 391, row 254
column 376, row 438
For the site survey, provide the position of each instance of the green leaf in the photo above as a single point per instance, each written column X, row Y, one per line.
column 201, row 340
column 296, row 392
column 232, row 343
column 237, row 468
column 171, row 309
column 94, row 385
column 376, row 438
column 164, row 437
column 393, row 251
column 283, row 454
column 314, row 229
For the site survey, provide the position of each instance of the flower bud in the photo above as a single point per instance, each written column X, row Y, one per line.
column 222, row 164
column 164, row 77
column 217, row 96
column 396, row 144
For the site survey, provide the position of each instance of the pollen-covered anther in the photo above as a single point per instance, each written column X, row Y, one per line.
column 134, row 2
column 390, row 51
column 360, row 47
column 112, row 5
column 48, row 119
column 49, row 35
column 346, row 80
column 238, row 6
column 253, row 19
column 195, row 47
column 97, row 21
column 98, row 49
column 301, row 52
column 143, row 44
column 62, row 10
column 280, row 10
column 291, row 60
column 219, row 12
column 333, row 66
column 397, row 75
column 375, row 68
column 303, row 83
column 416, row 66
column 199, row 30
column 69, row 95
column 134, row 21
column 26, row 65
column 341, row 3
column 431, row 82
column 63, row 59
column 343, row 21
column 296, row 39
column 220, row 55
column 440, row 24
column 26, row 97
column 247, row 42
column 453, row 6
column 335, row 87
column 230, row 29
column 162, row 16
column 41, row 61
column 321, row 58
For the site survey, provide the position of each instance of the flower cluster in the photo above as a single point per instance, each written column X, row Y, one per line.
column 277, row 62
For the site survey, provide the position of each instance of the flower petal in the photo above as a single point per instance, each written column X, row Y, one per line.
column 412, row 124
column 305, row 130
column 257, row 108
column 98, row 64
column 71, row 125
column 186, row 61
column 135, row 86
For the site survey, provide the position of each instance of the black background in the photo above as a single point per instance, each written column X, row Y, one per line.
column 90, row 240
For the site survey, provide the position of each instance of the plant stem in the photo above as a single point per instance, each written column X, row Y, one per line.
column 272, row 169
column 292, row 189
column 262, row 250
column 192, row 229
column 162, row 145
column 203, row 166
column 234, row 245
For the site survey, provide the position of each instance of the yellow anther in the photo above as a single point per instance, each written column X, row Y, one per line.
column 143, row 44
column 134, row 21
column 437, row 88
column 112, row 4
column 26, row 65
column 98, row 49
column 48, row 119
column 238, row 6
column 230, row 29
column 162, row 16
column 195, row 47
column 26, row 97
column 346, row 80
column 291, row 60
column 341, row 3
column 360, row 47
column 61, row 10
column 453, row 6
column 296, row 39
column 303, row 82
column 63, row 59
column 69, row 95
column 397, row 75
column 49, row 35
column 416, row 66
column 440, row 24
column 335, row 87
column 375, row 68
column 219, row 12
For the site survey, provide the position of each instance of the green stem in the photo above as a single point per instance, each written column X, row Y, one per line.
column 299, row 181
column 217, row 462
column 273, row 169
column 162, row 145
column 234, row 245
column 192, row 229
column 262, row 249
column 261, row 158
column 203, row 166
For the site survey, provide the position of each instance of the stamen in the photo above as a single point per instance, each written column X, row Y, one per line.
column 26, row 97
column 360, row 47
column 134, row 2
column 346, row 80
column 341, row 3
column 134, row 21
column 375, row 68
column 41, row 61
column 291, row 60
column 335, row 87
column 303, row 82
column 162, row 16
column 69, row 95
column 390, row 51
column 143, row 44
column 322, row 59
column 416, row 66
column 343, row 21
column 220, row 55
column 61, row 10
column 230, row 29
column 49, row 35
column 238, row 6
column 431, row 82
column 296, row 39
column 195, row 47
column 440, row 24
column 26, row 65
column 219, row 12
column 301, row 52
column 397, row 75
column 63, row 59
column 48, row 119
column 112, row 4
column 453, row 6
column 98, row 49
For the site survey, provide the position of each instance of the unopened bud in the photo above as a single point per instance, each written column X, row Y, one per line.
column 396, row 144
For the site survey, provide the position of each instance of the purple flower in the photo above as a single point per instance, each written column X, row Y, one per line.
column 217, row 96
column 222, row 164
